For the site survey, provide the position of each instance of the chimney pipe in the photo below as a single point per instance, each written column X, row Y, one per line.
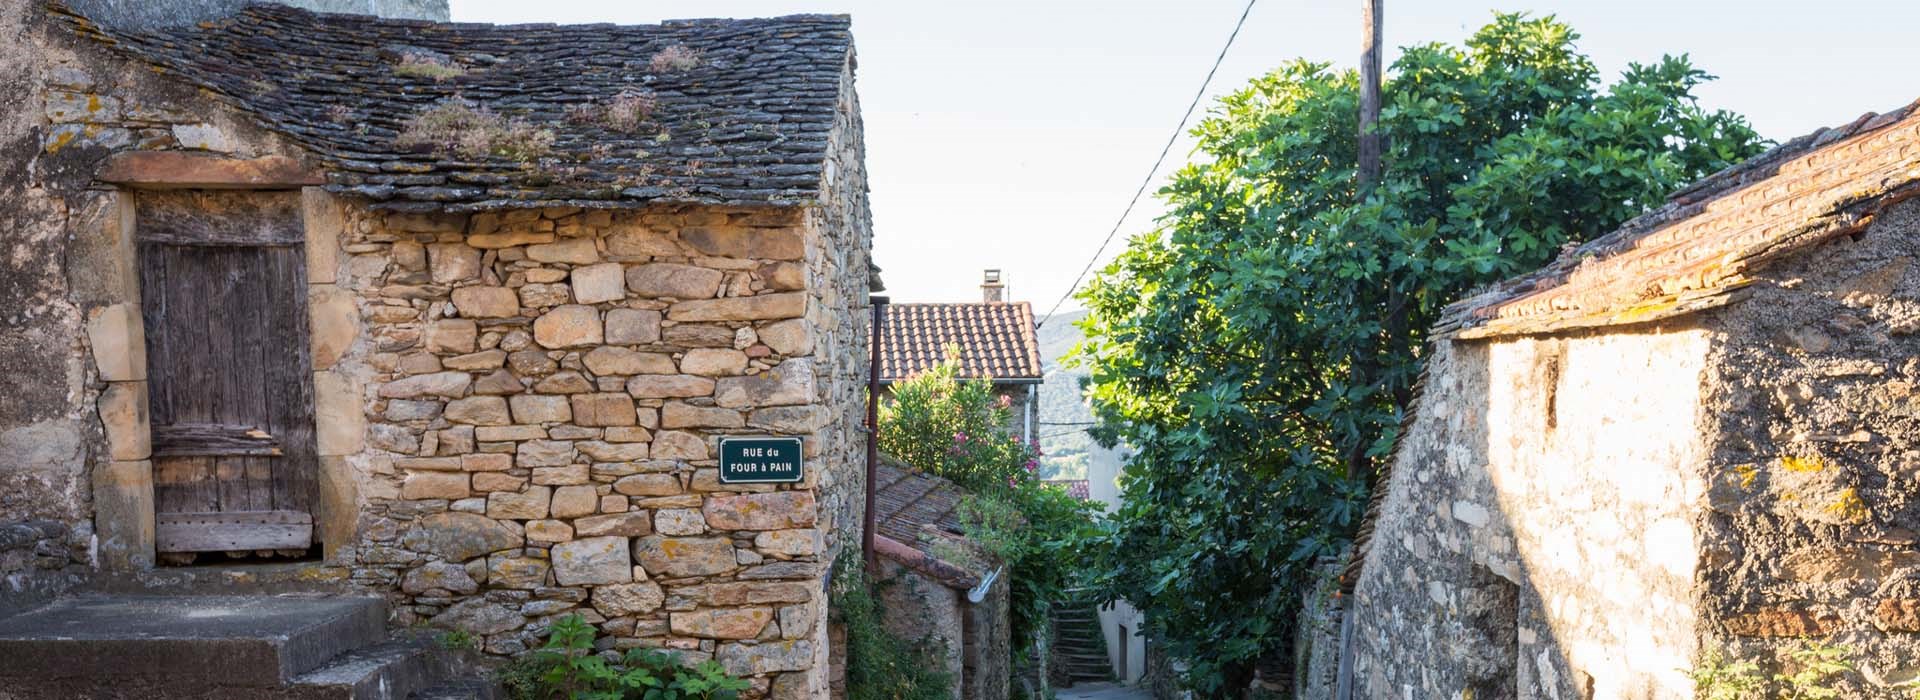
column 993, row 290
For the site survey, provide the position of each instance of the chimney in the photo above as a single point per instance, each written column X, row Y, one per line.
column 993, row 290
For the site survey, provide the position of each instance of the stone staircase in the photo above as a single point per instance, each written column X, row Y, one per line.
column 1079, row 645
column 298, row 647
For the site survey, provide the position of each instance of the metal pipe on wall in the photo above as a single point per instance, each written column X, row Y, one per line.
column 874, row 337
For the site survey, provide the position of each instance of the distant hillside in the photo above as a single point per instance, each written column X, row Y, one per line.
column 1063, row 414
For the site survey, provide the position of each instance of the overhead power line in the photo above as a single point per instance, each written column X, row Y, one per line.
column 1157, row 162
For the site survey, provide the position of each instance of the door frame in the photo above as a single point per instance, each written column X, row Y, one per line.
column 123, row 483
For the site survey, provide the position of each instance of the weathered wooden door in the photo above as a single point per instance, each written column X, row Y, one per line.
column 231, row 397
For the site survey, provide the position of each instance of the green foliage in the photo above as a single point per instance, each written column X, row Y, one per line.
column 456, row 640
column 1809, row 672
column 568, row 668
column 957, row 430
column 881, row 665
column 464, row 128
column 1263, row 342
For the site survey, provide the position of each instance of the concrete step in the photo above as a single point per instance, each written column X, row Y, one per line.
column 461, row 690
column 390, row 670
column 203, row 643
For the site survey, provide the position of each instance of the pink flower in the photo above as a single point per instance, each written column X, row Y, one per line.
column 1005, row 401
column 959, row 438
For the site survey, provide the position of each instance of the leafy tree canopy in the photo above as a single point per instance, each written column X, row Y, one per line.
column 1262, row 343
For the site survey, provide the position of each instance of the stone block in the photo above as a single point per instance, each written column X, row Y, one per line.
column 333, row 317
column 790, row 383
column 463, row 536
column 740, row 593
column 509, row 433
column 595, row 284
column 487, row 482
column 445, row 576
column 1897, row 615
column 679, row 522
column 764, row 307
column 737, row 623
column 648, row 485
column 785, row 276
column 479, row 410
column 486, row 302
column 567, row 475
column 768, row 657
column 123, row 411
column 791, row 420
column 323, row 218
column 781, row 510
column 674, row 281
column 592, row 561
column 698, row 335
column 540, row 296
column 623, row 599
column 791, row 543
column 453, row 262
column 792, row 337
column 664, row 386
column 678, row 557
column 531, row 504
column 575, row 501
column 452, row 335
column 451, row 385
column 676, row 414
column 640, row 241
column 479, row 616
column 613, row 452
column 564, row 383
column 509, row 239
column 549, row 531
column 477, row 362
column 603, row 410
column 123, row 515
column 713, row 362
column 540, row 408
column 569, row 326
column 745, row 242
column 617, row 361
column 630, row 524
column 544, row 453
column 498, row 383
column 509, row 570
column 577, row 251
column 420, row 486
column 118, row 341
column 674, row 444
column 633, row 326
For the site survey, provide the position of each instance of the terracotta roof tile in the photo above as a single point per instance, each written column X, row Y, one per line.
column 996, row 340
column 748, row 125
column 907, row 500
column 1696, row 251
column 1078, row 488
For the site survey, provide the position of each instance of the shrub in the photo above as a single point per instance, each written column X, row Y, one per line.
column 568, row 668
column 472, row 131
column 1809, row 673
column 880, row 664
column 675, row 59
column 415, row 65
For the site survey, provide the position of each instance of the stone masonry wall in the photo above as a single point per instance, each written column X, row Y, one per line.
column 1813, row 404
column 66, row 296
column 1538, row 537
column 544, row 390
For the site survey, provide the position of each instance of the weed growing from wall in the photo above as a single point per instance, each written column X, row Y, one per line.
column 469, row 130
column 880, row 664
column 568, row 668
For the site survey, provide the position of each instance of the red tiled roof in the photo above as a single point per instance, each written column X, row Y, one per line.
column 1077, row 488
column 1696, row 251
column 996, row 340
column 906, row 499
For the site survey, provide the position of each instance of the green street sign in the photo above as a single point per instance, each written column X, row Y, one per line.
column 760, row 460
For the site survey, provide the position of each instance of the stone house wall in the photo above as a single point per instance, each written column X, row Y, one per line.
column 517, row 411
column 1553, row 531
column 972, row 640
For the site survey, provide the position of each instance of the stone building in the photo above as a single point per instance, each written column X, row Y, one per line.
column 1699, row 433
column 996, row 340
column 453, row 314
column 939, row 587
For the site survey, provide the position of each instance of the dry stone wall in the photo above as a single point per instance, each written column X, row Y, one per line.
column 544, row 390
column 1538, row 537
column 1812, row 510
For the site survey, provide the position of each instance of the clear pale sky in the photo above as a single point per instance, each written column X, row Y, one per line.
column 1010, row 134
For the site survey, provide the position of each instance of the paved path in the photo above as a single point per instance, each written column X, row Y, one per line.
column 1103, row 691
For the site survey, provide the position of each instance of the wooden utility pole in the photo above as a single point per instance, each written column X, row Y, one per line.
column 1369, row 94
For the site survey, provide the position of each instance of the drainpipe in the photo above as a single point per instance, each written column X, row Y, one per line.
column 1033, row 397
column 873, row 426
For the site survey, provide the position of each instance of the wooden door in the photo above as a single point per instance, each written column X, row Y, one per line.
column 231, row 394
